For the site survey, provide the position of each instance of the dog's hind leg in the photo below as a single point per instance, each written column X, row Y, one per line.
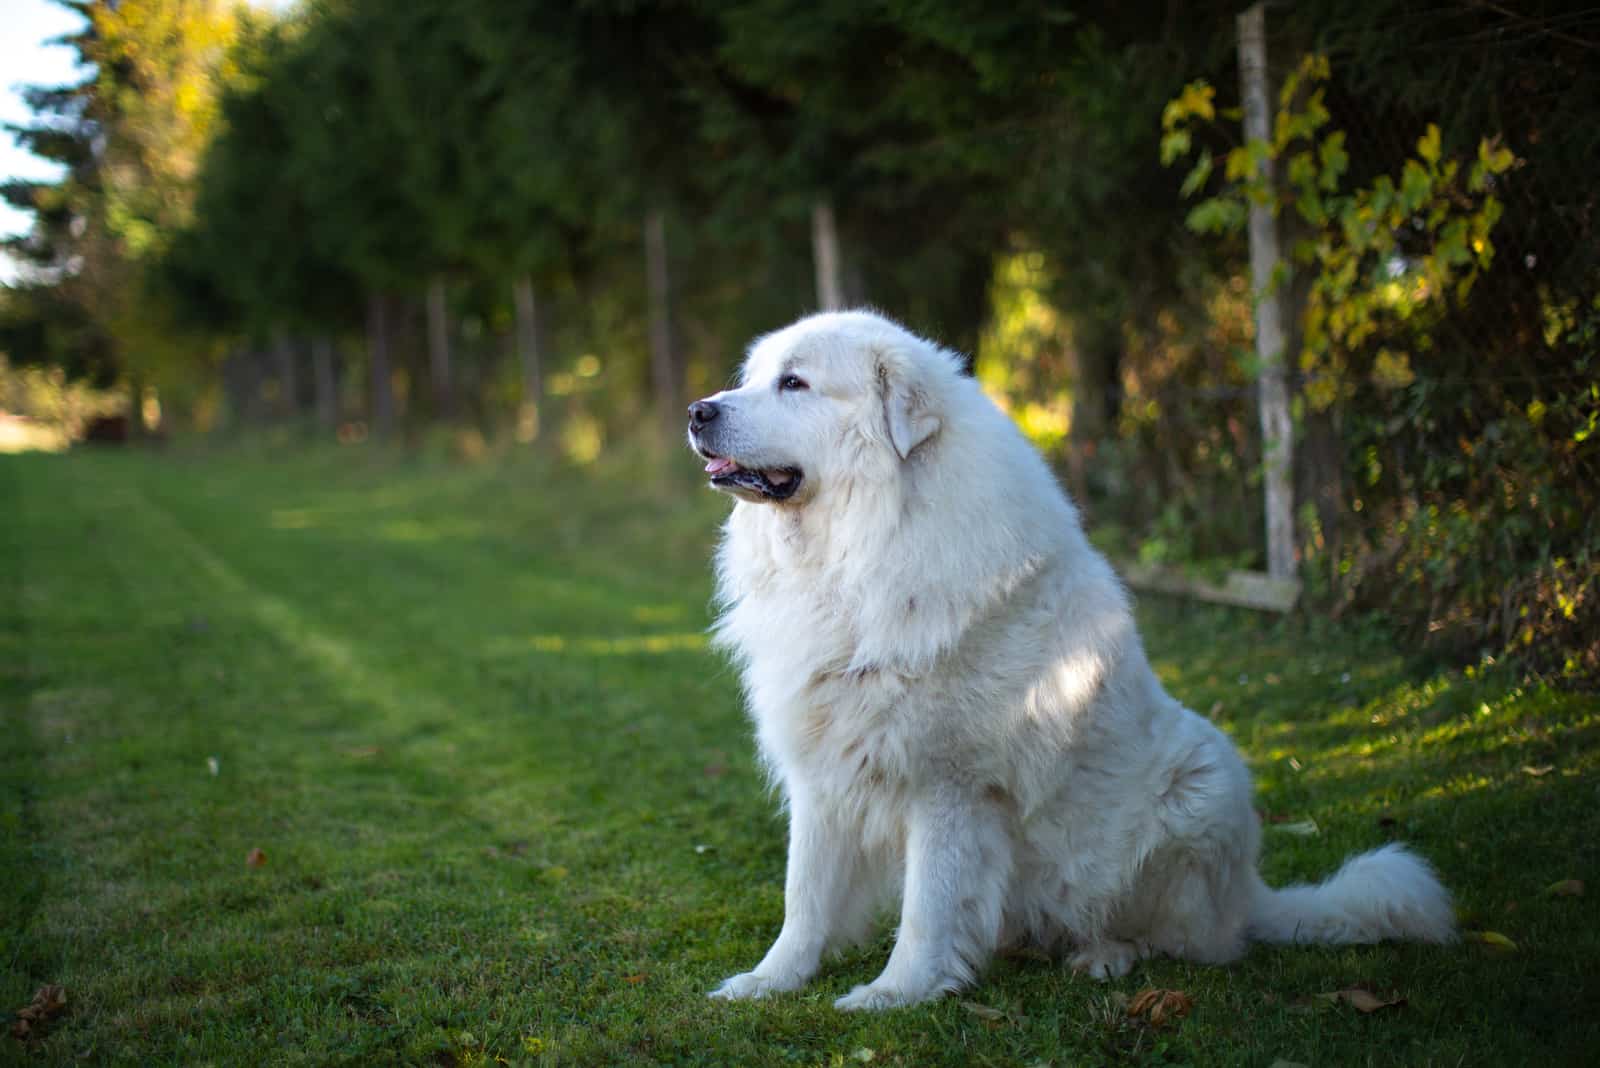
column 958, row 868
column 824, row 868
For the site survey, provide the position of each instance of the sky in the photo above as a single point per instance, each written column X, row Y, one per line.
column 26, row 59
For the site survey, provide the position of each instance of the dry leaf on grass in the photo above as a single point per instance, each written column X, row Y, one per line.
column 1362, row 1000
column 1492, row 939
column 255, row 858
column 983, row 1012
column 48, row 1002
column 1160, row 1006
column 992, row 1017
column 1565, row 888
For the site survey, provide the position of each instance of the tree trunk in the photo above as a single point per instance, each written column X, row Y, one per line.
column 1277, row 428
column 439, row 348
column 663, row 358
column 378, row 367
column 825, row 253
column 327, row 386
column 1096, row 399
column 137, row 429
column 530, row 356
column 283, row 358
column 236, row 384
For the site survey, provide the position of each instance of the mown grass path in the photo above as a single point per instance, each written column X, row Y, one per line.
column 509, row 809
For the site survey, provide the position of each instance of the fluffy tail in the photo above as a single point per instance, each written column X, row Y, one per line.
column 1387, row 893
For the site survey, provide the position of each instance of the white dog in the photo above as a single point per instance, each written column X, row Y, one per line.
column 947, row 684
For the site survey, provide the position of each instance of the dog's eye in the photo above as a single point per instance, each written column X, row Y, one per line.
column 789, row 382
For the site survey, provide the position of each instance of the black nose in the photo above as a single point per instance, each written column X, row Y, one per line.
column 701, row 413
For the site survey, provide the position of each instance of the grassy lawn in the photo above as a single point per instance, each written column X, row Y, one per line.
column 507, row 805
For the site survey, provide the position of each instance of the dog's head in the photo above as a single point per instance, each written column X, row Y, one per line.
column 834, row 397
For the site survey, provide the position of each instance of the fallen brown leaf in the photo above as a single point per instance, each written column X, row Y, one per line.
column 1362, row 1000
column 1159, row 1006
column 48, row 1002
column 255, row 858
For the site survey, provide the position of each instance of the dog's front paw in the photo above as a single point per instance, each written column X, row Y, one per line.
column 751, row 985
column 873, row 997
column 1105, row 960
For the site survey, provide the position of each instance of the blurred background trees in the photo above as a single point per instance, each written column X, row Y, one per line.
column 555, row 223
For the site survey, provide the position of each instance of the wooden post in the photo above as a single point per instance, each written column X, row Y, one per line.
column 1266, row 260
column 663, row 360
column 530, row 358
column 378, row 365
column 439, row 348
column 825, row 252
column 327, row 385
column 283, row 355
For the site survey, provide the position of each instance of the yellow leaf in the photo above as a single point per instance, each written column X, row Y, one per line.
column 1493, row 939
column 1392, row 370
column 1428, row 144
column 1194, row 101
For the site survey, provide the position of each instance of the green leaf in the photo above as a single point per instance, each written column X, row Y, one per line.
column 1415, row 187
column 1174, row 144
column 1218, row 215
column 1197, row 175
column 1335, row 160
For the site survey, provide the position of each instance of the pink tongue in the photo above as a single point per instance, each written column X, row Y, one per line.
column 719, row 465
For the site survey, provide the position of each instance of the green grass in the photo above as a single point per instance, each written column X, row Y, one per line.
column 510, row 810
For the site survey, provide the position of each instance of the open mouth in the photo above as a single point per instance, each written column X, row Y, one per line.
column 776, row 484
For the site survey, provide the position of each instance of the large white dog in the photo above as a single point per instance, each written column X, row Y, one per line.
column 947, row 684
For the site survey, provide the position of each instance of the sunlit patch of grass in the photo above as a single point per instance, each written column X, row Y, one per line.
column 629, row 645
column 510, row 810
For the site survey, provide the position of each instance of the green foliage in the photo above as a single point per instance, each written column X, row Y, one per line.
column 1376, row 256
column 1484, row 537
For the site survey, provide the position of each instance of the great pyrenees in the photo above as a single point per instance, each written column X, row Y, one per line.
column 948, row 687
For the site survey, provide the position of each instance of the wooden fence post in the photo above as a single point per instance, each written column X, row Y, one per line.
column 1266, row 261
column 825, row 251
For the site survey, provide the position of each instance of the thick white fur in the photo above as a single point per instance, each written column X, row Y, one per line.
column 948, row 687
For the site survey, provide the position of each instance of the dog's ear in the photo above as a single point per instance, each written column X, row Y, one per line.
column 908, row 410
